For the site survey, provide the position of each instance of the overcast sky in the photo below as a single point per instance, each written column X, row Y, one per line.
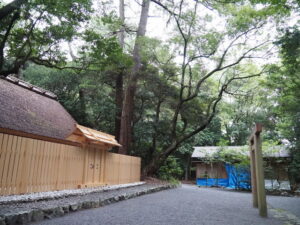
column 157, row 22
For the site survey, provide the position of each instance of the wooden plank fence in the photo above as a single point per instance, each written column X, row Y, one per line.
column 31, row 165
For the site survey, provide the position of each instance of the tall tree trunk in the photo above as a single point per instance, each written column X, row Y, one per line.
column 119, row 76
column 128, row 105
column 188, row 167
column 14, row 18
column 155, row 130
column 157, row 161
column 121, row 34
column 82, row 117
column 119, row 104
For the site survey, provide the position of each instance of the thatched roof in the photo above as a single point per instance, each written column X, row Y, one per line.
column 30, row 109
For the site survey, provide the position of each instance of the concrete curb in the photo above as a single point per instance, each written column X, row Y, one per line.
column 34, row 215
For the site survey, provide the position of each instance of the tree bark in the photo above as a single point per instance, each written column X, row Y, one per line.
column 82, row 106
column 119, row 76
column 119, row 104
column 187, row 167
column 10, row 8
column 128, row 105
column 121, row 34
column 155, row 130
column 5, row 37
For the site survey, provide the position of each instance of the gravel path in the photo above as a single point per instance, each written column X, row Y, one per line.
column 187, row 205
column 291, row 204
column 24, row 212
column 14, row 207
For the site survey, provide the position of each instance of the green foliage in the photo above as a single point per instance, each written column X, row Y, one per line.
column 171, row 170
column 38, row 31
column 101, row 51
column 247, row 106
column 87, row 89
column 284, row 81
column 86, row 100
column 232, row 156
column 245, row 16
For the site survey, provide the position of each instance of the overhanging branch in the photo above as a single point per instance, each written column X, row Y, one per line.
column 10, row 8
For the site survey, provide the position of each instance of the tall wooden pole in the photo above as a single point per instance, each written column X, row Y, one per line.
column 253, row 176
column 257, row 172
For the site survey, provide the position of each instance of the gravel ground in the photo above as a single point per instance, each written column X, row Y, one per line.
column 187, row 205
column 286, row 208
column 13, row 207
column 291, row 204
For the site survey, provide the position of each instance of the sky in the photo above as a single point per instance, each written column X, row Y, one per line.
column 157, row 22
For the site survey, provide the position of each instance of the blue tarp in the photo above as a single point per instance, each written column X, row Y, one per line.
column 237, row 177
column 223, row 182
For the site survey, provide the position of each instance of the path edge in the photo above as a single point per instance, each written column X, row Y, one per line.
column 35, row 215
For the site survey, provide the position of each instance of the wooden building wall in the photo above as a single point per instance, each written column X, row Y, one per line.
column 211, row 170
column 31, row 165
column 276, row 169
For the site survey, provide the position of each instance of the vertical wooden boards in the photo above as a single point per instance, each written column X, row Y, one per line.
column 121, row 169
column 107, row 171
column 6, row 161
column 91, row 165
column 102, row 173
column 25, row 167
column 112, row 170
column 3, row 139
column 86, row 165
column 116, row 168
column 97, row 175
column 123, row 173
column 21, row 171
column 31, row 165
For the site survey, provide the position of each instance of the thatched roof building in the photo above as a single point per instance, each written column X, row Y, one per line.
column 30, row 109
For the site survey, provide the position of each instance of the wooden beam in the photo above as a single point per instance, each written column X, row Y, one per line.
column 261, row 195
column 38, row 137
column 257, row 128
column 257, row 171
column 253, row 176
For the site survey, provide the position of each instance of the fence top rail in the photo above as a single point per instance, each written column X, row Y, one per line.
column 37, row 137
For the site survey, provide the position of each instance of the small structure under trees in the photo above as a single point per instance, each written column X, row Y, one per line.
column 229, row 166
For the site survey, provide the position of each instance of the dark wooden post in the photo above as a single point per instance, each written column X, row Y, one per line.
column 257, row 172
column 253, row 176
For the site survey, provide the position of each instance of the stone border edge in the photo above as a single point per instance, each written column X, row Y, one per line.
column 34, row 215
column 41, row 196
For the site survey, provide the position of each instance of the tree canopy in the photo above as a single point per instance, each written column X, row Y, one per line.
column 217, row 68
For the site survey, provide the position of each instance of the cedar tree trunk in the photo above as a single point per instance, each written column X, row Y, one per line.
column 128, row 104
